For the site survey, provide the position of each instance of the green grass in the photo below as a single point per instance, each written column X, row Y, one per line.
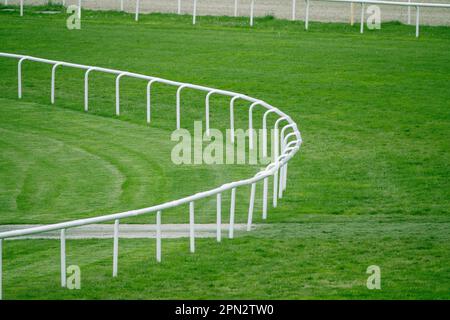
column 370, row 186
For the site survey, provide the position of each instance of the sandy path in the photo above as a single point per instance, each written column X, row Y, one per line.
column 319, row 11
column 130, row 231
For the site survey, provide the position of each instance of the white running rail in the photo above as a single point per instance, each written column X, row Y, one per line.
column 286, row 144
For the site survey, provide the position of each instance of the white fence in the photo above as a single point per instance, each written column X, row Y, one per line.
column 286, row 143
column 408, row 4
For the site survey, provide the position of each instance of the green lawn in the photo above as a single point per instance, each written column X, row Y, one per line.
column 370, row 185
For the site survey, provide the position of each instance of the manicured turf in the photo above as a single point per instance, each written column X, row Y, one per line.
column 370, row 186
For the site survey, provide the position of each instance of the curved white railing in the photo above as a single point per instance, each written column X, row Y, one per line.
column 286, row 144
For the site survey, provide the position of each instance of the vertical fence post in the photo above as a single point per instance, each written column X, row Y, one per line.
column 86, row 89
column 207, row 112
column 307, row 15
column 149, row 111
column 121, row 5
column 191, row 227
column 179, row 7
column 136, row 15
column 21, row 8
column 1, row 269
column 63, row 258
column 235, row 8
column 118, row 93
column 158, row 236
column 409, row 13
column 251, row 207
column 280, row 183
column 352, row 13
column 178, row 111
column 219, row 218
column 417, row 21
column 116, row 248
column 232, row 119
column 294, row 9
column 194, row 13
column 232, row 209
column 265, row 192
column 52, row 94
column 79, row 9
column 252, row 11
column 19, row 78
column 362, row 18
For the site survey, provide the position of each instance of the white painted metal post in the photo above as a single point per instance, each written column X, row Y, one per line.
column 207, row 112
column 116, row 248
column 19, row 78
column 1, row 269
column 63, row 258
column 251, row 207
column 307, row 15
column 52, row 94
column 409, row 13
column 118, row 93
column 178, row 111
column 136, row 15
column 294, row 9
column 158, row 236
column 121, row 5
column 235, row 8
column 179, row 7
column 194, row 13
column 149, row 111
column 21, row 8
column 417, row 21
column 232, row 118
column 219, row 217
column 86, row 89
column 362, row 17
column 252, row 11
column 352, row 13
column 265, row 192
column 232, row 209
column 280, row 183
column 191, row 227
column 79, row 9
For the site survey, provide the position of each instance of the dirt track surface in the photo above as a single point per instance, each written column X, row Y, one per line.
column 319, row 10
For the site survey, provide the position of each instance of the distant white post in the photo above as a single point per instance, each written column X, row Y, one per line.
column 352, row 13
column 194, row 13
column 179, row 7
column 265, row 192
column 235, row 8
column 232, row 207
column 63, row 258
column 219, row 217
column 136, row 16
column 191, row 227
column 1, row 269
column 417, row 21
column 409, row 13
column 158, row 236
column 121, row 5
column 79, row 9
column 294, row 9
column 251, row 207
column 21, row 8
column 52, row 93
column 252, row 8
column 116, row 248
column 362, row 17
column 307, row 15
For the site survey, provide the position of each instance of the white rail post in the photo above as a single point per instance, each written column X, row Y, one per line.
column 116, row 248
column 194, row 13
column 275, row 188
column 307, row 15
column 251, row 206
column 265, row 192
column 207, row 112
column 235, row 8
column 252, row 11
column 158, row 236
column 362, row 18
column 409, row 13
column 179, row 7
column 294, row 9
column 121, row 5
column 280, row 183
column 79, row 9
column 191, row 227
column 86, row 89
column 52, row 94
column 232, row 118
column 1, row 269
column 19, row 77
column 63, row 258
column 118, row 93
column 21, row 8
column 136, row 15
column 178, row 111
column 149, row 110
column 417, row 20
column 232, row 209
column 219, row 217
